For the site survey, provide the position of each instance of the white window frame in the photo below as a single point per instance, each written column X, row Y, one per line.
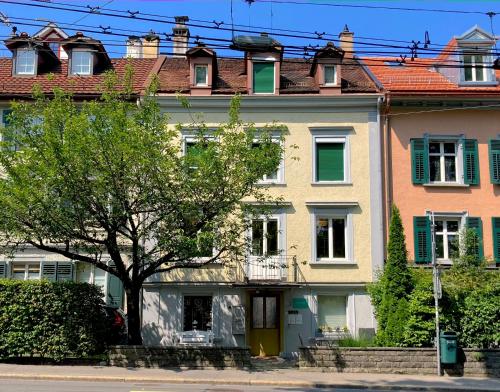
column 486, row 59
column 461, row 217
column 264, row 60
column 79, row 65
column 335, row 82
column 26, row 264
column 333, row 213
column 280, row 171
column 196, row 67
column 442, row 155
column 331, row 136
column 32, row 52
column 280, row 217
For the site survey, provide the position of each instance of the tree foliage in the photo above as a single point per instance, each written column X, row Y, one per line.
column 108, row 180
column 50, row 320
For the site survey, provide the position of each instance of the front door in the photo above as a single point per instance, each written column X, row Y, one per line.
column 265, row 324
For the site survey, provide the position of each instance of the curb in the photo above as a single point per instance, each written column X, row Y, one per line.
column 278, row 383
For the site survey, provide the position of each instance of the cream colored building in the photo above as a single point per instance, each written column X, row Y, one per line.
column 327, row 238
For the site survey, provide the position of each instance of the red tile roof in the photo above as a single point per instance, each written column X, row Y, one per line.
column 17, row 85
column 231, row 77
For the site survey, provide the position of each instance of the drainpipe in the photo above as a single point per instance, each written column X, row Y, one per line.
column 387, row 163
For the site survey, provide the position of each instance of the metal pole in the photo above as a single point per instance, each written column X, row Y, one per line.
column 437, row 290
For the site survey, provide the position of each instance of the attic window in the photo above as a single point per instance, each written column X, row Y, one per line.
column 201, row 75
column 263, row 77
column 330, row 75
column 81, row 63
column 474, row 65
column 25, row 62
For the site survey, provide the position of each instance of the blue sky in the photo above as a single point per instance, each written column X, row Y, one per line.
column 364, row 22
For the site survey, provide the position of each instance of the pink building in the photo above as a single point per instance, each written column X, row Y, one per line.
column 442, row 145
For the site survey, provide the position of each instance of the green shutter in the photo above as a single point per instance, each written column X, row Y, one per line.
column 3, row 269
column 114, row 290
column 330, row 162
column 420, row 160
column 496, row 239
column 477, row 225
column 471, row 162
column 422, row 237
column 263, row 77
column 49, row 271
column 495, row 161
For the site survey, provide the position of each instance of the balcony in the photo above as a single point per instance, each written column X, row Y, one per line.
column 269, row 270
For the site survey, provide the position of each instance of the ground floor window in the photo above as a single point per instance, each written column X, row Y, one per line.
column 26, row 271
column 446, row 235
column 197, row 312
column 332, row 312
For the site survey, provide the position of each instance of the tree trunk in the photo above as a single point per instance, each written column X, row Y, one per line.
column 133, row 316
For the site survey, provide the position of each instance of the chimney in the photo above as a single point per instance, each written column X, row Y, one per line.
column 150, row 46
column 134, row 47
column 180, row 36
column 347, row 42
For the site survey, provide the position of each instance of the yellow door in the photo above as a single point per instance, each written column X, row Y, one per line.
column 265, row 325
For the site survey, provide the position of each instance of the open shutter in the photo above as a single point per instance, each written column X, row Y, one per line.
column 114, row 291
column 49, row 271
column 3, row 269
column 496, row 239
column 495, row 161
column 422, row 237
column 420, row 161
column 471, row 162
column 64, row 271
column 477, row 225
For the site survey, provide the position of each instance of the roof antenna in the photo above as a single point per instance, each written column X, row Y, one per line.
column 249, row 5
column 4, row 19
column 232, row 21
column 427, row 40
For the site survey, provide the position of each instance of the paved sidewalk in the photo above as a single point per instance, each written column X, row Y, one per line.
column 274, row 377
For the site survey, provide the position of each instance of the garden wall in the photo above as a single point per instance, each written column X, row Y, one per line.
column 398, row 361
column 179, row 357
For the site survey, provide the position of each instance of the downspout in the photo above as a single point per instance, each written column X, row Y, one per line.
column 388, row 164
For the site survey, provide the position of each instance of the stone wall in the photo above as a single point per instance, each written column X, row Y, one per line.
column 398, row 361
column 179, row 357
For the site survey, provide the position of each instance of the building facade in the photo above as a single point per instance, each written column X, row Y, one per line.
column 325, row 243
column 441, row 140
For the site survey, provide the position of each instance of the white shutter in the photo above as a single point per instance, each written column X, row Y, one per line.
column 64, row 271
column 49, row 271
column 3, row 269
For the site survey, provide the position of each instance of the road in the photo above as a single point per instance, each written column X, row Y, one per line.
column 76, row 386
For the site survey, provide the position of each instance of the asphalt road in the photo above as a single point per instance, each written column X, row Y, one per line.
column 76, row 386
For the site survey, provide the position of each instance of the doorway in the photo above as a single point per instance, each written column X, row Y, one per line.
column 265, row 324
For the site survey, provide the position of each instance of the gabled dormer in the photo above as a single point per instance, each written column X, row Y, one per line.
column 202, row 69
column 327, row 69
column 263, row 56
column 473, row 51
column 86, row 55
column 53, row 35
column 30, row 56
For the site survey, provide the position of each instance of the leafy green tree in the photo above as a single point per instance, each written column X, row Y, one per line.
column 106, row 180
column 394, row 284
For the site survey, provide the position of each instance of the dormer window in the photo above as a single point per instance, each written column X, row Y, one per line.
column 263, row 77
column 25, row 62
column 81, row 63
column 330, row 74
column 474, row 68
column 201, row 75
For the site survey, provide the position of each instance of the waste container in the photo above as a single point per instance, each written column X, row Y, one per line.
column 448, row 346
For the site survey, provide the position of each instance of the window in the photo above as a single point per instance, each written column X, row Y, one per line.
column 26, row 271
column 330, row 75
column 331, row 238
column 55, row 47
column 193, row 149
column 474, row 68
column 275, row 176
column 443, row 161
column 197, row 312
column 446, row 237
column 205, row 244
column 332, row 312
column 330, row 157
column 265, row 237
column 25, row 62
column 81, row 63
column 265, row 312
column 263, row 77
column 201, row 75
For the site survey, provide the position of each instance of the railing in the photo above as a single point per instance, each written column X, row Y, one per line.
column 272, row 269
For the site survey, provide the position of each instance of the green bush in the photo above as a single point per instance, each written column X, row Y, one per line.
column 50, row 320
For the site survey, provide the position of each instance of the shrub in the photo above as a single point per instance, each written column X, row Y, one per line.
column 50, row 320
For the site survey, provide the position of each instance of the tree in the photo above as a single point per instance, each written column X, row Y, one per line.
column 390, row 293
column 105, row 182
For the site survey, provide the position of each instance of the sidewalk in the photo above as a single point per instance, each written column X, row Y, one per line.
column 274, row 377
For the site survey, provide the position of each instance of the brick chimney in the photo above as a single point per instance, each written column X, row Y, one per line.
column 150, row 46
column 347, row 42
column 180, row 36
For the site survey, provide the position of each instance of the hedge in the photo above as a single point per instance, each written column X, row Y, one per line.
column 53, row 320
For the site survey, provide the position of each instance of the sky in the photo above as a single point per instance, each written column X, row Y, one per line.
column 370, row 25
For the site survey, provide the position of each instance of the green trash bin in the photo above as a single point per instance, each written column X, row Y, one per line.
column 448, row 346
